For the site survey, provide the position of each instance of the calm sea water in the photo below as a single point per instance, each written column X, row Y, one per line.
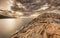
column 10, row 25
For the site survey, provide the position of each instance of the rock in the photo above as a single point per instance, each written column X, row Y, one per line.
column 43, row 26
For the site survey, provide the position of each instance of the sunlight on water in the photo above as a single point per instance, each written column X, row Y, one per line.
column 11, row 26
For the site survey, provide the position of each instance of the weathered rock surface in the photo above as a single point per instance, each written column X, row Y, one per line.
column 44, row 26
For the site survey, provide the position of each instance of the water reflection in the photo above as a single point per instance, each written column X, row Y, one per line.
column 10, row 26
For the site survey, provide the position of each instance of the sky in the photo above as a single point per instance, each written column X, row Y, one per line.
column 5, row 4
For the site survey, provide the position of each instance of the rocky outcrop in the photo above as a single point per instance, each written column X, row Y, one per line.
column 44, row 26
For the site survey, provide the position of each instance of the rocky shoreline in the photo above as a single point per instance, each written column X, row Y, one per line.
column 44, row 26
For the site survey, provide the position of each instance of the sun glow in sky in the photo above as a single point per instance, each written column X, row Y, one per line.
column 5, row 4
